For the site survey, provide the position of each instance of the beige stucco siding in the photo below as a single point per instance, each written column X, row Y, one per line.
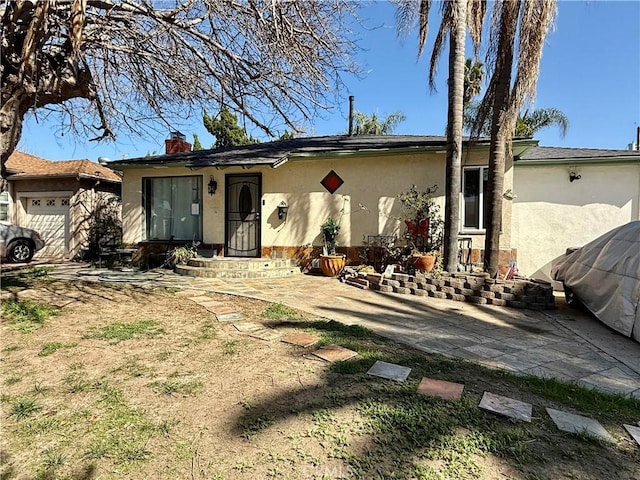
column 551, row 213
column 366, row 202
column 367, row 199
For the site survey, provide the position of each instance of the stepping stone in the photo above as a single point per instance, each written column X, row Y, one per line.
column 334, row 353
column 228, row 316
column 634, row 432
column 389, row 371
column 201, row 299
column 265, row 334
column 301, row 339
column 509, row 407
column 569, row 422
column 440, row 388
column 248, row 326
column 216, row 307
column 188, row 293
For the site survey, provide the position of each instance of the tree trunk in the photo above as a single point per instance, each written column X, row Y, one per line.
column 454, row 136
column 500, row 126
column 11, row 117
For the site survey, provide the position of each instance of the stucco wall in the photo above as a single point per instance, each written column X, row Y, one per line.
column 551, row 213
column 368, row 197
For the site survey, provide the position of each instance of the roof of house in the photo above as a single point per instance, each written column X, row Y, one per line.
column 21, row 165
column 278, row 152
column 575, row 155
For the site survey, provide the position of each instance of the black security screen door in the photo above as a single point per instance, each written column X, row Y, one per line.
column 243, row 193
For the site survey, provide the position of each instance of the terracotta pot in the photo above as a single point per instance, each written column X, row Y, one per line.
column 424, row 263
column 332, row 265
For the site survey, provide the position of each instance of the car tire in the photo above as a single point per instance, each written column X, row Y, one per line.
column 571, row 298
column 20, row 251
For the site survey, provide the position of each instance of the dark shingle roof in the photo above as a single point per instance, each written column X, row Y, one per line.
column 560, row 153
column 277, row 152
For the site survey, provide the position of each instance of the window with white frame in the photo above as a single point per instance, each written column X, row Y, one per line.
column 173, row 207
column 474, row 185
column 4, row 206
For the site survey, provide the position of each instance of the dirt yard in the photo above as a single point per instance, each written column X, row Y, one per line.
column 125, row 383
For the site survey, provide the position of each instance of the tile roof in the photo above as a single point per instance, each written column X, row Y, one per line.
column 279, row 151
column 562, row 153
column 21, row 165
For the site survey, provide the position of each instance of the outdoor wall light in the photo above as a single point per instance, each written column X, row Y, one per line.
column 283, row 208
column 212, row 186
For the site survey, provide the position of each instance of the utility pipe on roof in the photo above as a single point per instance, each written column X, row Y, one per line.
column 351, row 99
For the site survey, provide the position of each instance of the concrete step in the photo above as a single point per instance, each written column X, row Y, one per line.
column 227, row 267
column 233, row 263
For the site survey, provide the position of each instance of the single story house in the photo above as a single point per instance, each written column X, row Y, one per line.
column 269, row 199
column 566, row 197
column 58, row 199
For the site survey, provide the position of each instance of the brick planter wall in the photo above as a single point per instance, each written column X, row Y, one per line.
column 472, row 288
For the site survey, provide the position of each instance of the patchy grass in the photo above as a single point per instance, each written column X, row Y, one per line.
column 50, row 348
column 207, row 331
column 183, row 386
column 12, row 380
column 119, row 332
column 24, row 407
column 231, row 348
column 256, row 425
column 278, row 311
column 32, row 273
column 26, row 316
column 592, row 402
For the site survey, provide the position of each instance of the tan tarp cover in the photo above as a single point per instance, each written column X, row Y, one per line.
column 605, row 276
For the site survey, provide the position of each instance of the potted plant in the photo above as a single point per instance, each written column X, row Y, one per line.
column 331, row 264
column 424, row 224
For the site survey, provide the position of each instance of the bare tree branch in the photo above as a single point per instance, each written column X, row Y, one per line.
column 138, row 65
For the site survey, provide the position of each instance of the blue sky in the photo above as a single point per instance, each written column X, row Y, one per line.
column 590, row 70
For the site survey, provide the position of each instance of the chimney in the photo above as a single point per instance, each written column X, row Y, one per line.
column 176, row 143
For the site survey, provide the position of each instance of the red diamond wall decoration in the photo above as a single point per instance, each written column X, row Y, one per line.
column 332, row 181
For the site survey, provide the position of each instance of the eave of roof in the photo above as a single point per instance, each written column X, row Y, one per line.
column 36, row 176
column 573, row 156
column 274, row 154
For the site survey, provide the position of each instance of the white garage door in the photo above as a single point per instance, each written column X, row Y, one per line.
column 49, row 216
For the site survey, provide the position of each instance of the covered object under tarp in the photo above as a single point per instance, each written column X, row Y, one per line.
column 605, row 276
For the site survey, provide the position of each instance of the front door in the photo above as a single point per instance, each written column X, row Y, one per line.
column 243, row 194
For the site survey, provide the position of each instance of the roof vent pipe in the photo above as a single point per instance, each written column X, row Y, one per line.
column 351, row 99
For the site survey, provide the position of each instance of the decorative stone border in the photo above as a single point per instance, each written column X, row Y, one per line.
column 461, row 287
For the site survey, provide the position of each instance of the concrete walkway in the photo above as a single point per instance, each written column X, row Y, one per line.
column 564, row 343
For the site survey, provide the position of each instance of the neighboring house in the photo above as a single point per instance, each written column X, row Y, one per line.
column 229, row 198
column 567, row 197
column 58, row 199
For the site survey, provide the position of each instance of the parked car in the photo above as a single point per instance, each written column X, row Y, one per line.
column 604, row 275
column 18, row 244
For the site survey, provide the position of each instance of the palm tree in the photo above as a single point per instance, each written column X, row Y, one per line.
column 371, row 125
column 528, row 21
column 473, row 77
column 456, row 15
column 527, row 123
